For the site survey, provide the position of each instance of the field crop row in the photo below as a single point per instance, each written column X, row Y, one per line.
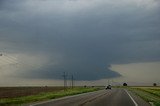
column 12, row 92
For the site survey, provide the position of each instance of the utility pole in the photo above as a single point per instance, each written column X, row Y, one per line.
column 65, row 81
column 108, row 82
column 72, row 80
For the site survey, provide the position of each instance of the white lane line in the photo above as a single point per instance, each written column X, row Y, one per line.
column 131, row 98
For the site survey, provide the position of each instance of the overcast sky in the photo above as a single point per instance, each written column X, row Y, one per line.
column 91, row 39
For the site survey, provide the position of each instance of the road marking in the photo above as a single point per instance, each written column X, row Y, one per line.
column 92, row 99
column 131, row 98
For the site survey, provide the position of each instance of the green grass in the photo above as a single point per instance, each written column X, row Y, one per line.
column 153, row 91
column 149, row 94
column 44, row 96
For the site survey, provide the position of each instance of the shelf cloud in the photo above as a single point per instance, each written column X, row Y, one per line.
column 44, row 38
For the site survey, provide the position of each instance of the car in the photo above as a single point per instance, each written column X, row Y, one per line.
column 108, row 87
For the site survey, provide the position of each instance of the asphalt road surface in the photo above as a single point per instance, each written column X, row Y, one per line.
column 114, row 97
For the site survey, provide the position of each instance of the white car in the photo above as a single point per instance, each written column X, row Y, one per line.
column 108, row 87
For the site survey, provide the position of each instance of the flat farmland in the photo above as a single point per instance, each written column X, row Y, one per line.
column 13, row 96
column 12, row 92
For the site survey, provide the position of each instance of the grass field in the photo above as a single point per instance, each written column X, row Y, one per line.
column 150, row 94
column 37, row 94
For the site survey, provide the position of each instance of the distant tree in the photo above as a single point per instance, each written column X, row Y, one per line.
column 154, row 84
column 124, row 84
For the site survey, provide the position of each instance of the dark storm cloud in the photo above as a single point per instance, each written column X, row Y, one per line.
column 85, row 37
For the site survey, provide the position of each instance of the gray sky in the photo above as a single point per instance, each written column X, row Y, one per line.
column 40, row 39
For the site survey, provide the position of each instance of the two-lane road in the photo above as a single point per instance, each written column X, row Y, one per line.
column 114, row 97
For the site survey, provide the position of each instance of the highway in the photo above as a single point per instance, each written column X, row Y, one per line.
column 114, row 97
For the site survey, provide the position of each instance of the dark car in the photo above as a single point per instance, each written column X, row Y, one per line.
column 108, row 87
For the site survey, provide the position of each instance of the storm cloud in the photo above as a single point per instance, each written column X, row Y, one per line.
column 80, row 37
